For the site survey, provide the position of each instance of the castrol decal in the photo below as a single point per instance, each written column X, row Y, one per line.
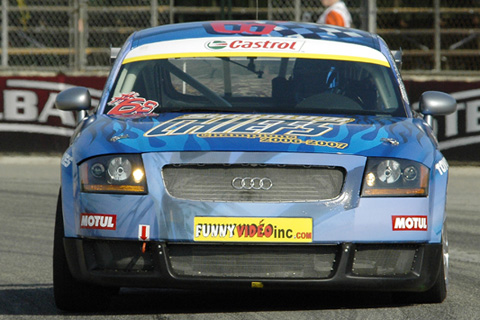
column 280, row 45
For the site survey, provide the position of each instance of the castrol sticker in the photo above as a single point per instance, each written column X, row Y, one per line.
column 409, row 223
column 222, row 229
column 265, row 45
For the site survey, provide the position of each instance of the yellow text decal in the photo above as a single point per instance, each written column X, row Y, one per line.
column 233, row 229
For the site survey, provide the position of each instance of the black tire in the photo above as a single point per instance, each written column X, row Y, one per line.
column 437, row 293
column 70, row 294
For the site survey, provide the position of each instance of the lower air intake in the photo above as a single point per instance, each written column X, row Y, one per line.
column 383, row 260
column 117, row 256
column 235, row 261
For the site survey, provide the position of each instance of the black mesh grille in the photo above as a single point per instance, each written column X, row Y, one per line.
column 238, row 261
column 384, row 260
column 118, row 256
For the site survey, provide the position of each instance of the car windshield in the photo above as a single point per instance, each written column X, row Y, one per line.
column 255, row 84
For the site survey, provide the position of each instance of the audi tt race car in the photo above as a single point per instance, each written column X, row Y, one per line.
column 252, row 154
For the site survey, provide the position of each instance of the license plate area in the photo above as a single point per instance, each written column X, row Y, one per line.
column 241, row 229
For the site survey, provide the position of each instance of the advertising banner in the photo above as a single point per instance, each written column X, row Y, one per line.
column 30, row 123
column 459, row 132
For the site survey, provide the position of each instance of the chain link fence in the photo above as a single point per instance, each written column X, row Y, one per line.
column 76, row 35
column 310, row 11
column 66, row 35
column 436, row 35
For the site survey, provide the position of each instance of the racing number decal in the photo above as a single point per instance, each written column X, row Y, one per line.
column 130, row 104
column 252, row 28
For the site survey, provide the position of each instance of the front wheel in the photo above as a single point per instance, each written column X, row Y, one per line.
column 438, row 292
column 70, row 294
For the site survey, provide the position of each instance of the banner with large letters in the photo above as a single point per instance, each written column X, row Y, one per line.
column 29, row 121
column 459, row 132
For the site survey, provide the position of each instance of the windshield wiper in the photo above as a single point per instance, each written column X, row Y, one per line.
column 250, row 67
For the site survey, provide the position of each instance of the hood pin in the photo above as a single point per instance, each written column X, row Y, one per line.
column 392, row 141
column 116, row 138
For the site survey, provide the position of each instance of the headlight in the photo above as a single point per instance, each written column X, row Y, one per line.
column 395, row 177
column 113, row 174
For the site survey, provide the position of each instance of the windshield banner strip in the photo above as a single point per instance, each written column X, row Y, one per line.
column 257, row 47
column 256, row 54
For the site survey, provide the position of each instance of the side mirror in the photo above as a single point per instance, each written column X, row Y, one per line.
column 435, row 103
column 74, row 99
column 114, row 51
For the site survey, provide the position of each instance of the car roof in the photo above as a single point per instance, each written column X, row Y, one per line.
column 215, row 39
column 282, row 29
column 255, row 39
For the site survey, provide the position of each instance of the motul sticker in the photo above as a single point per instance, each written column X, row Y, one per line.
column 98, row 221
column 409, row 223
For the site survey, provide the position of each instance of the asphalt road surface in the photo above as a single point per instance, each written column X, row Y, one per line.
column 28, row 194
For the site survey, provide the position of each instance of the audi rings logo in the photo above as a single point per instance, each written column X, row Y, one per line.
column 255, row 183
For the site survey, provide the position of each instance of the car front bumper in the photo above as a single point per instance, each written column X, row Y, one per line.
column 346, row 266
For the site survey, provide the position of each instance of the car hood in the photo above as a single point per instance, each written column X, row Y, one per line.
column 377, row 136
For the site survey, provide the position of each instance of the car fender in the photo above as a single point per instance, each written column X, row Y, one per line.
column 438, row 196
column 67, row 191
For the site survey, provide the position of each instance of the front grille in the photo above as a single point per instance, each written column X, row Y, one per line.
column 252, row 261
column 255, row 183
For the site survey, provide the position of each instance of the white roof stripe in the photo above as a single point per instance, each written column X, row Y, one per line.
column 256, row 46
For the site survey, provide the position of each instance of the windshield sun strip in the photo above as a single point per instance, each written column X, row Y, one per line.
column 257, row 54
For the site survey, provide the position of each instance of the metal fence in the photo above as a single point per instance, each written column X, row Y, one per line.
column 436, row 36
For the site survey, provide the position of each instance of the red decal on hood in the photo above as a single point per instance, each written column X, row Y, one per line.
column 130, row 103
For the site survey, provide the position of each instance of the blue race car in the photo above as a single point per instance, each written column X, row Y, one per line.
column 252, row 154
